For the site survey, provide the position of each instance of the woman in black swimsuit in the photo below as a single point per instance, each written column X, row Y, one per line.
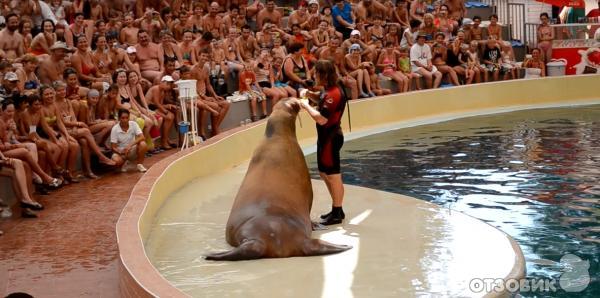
column 168, row 48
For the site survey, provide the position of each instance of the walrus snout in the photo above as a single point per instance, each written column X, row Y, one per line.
column 293, row 104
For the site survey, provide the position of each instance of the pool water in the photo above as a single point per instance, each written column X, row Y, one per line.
column 534, row 174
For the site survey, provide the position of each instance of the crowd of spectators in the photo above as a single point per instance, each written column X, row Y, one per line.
column 95, row 79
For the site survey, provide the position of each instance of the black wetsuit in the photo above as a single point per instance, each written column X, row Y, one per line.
column 330, row 137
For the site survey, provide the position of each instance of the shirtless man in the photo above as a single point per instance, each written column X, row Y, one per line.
column 299, row 16
column 230, row 20
column 269, row 12
column 212, row 20
column 119, row 57
column 204, row 88
column 456, row 9
column 11, row 41
column 367, row 8
column 155, row 97
column 333, row 52
column 129, row 32
column 151, row 22
column 248, row 45
column 149, row 57
column 51, row 69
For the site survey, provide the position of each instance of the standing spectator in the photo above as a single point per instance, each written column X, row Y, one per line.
column 420, row 58
column 545, row 36
column 128, row 143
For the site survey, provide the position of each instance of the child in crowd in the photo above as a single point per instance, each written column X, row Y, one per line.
column 474, row 59
column 376, row 83
column 249, row 87
column 509, row 65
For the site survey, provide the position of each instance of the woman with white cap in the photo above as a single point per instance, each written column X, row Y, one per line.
column 358, row 70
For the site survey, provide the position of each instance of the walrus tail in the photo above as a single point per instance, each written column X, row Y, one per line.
column 249, row 250
column 316, row 247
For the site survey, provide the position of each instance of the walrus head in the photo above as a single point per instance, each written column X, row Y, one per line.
column 283, row 118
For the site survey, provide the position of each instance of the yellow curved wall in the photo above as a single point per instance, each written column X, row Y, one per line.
column 411, row 108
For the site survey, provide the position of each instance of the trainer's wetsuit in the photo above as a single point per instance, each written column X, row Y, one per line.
column 330, row 136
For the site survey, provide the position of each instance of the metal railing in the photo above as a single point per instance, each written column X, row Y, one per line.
column 516, row 21
column 530, row 40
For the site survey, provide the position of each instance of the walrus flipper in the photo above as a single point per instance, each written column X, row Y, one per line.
column 249, row 250
column 316, row 247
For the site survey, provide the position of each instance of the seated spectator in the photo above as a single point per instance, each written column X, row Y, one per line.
column 15, row 168
column 474, row 62
column 265, row 78
column 149, row 57
column 428, row 27
column 494, row 30
column 535, row 66
column 249, row 87
column 41, row 43
column 358, row 70
column 295, row 68
column 88, row 73
column 26, row 152
column 126, row 101
column 375, row 82
column 31, row 120
column 440, row 55
column 420, row 57
column 99, row 127
column 10, row 86
column 69, row 146
column 491, row 58
column 75, row 93
column 128, row 143
column 79, row 131
column 208, row 94
column 156, row 96
column 409, row 36
column 28, row 82
column 52, row 68
column 509, row 65
column 388, row 63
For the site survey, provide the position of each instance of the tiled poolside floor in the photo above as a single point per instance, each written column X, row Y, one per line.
column 71, row 250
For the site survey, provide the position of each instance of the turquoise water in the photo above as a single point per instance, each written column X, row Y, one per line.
column 534, row 174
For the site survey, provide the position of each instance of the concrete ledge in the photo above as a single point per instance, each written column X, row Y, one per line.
column 236, row 146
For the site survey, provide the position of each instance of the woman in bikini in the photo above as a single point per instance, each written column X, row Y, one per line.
column 137, row 94
column 545, row 36
column 127, row 101
column 101, row 57
column 28, row 81
column 41, row 43
column 188, row 53
column 83, row 62
column 168, row 48
column 79, row 131
column 388, row 62
column 375, row 32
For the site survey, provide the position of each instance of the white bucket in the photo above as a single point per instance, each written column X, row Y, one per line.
column 556, row 67
column 187, row 88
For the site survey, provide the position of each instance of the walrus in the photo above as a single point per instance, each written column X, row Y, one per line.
column 270, row 217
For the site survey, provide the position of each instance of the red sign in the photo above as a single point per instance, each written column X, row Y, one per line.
column 579, row 60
